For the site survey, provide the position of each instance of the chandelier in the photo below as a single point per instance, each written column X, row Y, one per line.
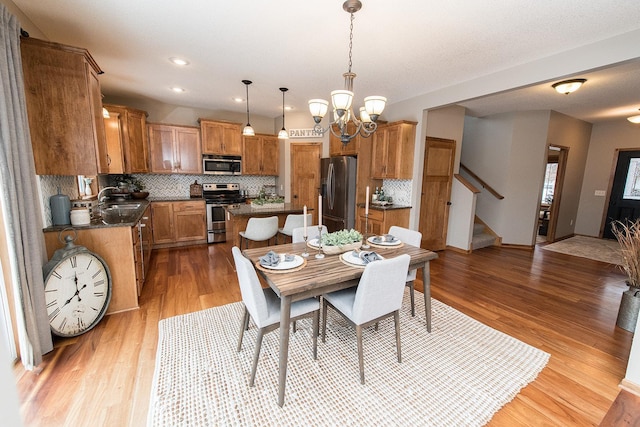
column 342, row 100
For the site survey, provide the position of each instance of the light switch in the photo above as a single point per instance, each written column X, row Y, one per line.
column 600, row 193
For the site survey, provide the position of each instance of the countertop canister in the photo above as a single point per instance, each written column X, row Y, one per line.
column 80, row 216
column 60, row 209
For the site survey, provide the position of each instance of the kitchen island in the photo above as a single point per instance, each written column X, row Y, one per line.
column 238, row 215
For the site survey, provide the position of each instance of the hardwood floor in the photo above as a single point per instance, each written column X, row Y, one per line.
column 564, row 305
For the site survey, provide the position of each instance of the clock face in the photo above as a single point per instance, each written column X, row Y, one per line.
column 77, row 292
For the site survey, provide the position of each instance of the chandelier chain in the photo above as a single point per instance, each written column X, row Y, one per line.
column 351, row 40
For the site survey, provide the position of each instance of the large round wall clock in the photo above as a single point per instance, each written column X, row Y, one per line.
column 77, row 284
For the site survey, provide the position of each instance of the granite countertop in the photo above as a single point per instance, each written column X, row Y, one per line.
column 385, row 207
column 173, row 199
column 128, row 218
column 246, row 209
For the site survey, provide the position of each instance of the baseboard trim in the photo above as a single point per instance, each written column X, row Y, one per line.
column 459, row 250
column 526, row 247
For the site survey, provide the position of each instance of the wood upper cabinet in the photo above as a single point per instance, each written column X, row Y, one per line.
column 175, row 149
column 392, row 150
column 178, row 222
column 133, row 139
column 337, row 148
column 64, row 107
column 260, row 155
column 221, row 138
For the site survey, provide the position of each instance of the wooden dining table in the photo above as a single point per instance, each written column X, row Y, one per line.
column 320, row 276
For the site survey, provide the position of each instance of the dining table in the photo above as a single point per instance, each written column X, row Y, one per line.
column 317, row 276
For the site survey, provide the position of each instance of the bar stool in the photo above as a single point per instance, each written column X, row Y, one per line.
column 293, row 221
column 259, row 230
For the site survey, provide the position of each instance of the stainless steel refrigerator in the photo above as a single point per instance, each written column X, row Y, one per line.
column 338, row 180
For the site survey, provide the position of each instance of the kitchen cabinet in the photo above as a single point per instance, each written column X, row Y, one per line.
column 64, row 108
column 337, row 148
column 178, row 223
column 127, row 140
column 222, row 138
column 175, row 149
column 142, row 236
column 381, row 219
column 260, row 155
column 392, row 150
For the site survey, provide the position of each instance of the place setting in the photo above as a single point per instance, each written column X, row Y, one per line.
column 273, row 262
column 385, row 241
column 358, row 258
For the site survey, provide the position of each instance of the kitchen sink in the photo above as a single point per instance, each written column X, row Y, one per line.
column 123, row 206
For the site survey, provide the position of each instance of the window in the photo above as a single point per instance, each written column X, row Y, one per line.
column 632, row 184
column 549, row 183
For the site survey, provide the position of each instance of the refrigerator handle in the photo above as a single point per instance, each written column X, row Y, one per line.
column 330, row 186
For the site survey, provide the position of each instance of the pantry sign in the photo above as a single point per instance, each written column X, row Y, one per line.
column 304, row 133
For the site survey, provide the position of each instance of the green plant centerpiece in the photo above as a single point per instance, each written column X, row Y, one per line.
column 267, row 201
column 341, row 241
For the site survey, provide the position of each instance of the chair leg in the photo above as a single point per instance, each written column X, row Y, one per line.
column 396, row 320
column 256, row 354
column 360, row 355
column 243, row 326
column 413, row 302
column 316, row 326
column 324, row 319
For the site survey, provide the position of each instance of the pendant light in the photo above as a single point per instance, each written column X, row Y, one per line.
column 283, row 132
column 248, row 130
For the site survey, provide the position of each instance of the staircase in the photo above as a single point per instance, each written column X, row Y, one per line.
column 481, row 239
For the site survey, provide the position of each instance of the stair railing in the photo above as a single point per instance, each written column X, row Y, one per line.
column 482, row 182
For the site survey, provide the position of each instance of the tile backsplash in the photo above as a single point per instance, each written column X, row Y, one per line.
column 49, row 185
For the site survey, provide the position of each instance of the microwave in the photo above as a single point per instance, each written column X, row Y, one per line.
column 221, row 165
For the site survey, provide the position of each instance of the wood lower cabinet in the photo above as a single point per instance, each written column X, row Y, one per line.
column 260, row 155
column 142, row 234
column 178, row 223
column 175, row 149
column 127, row 139
column 392, row 150
column 381, row 219
column 64, row 107
column 222, row 138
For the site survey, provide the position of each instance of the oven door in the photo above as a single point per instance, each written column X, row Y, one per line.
column 216, row 231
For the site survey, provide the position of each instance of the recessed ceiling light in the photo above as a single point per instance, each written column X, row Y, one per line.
column 179, row 61
column 568, row 86
column 177, row 89
column 237, row 99
column 288, row 107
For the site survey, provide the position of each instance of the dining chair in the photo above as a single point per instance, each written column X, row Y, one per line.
column 259, row 229
column 413, row 238
column 293, row 221
column 263, row 306
column 378, row 295
column 297, row 235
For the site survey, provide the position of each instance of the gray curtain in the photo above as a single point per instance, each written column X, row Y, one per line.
column 20, row 203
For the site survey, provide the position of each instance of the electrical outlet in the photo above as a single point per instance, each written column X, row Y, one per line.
column 600, row 193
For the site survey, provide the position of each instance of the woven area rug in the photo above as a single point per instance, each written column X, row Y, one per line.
column 460, row 374
column 604, row 250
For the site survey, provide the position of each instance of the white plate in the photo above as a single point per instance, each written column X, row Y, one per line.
column 286, row 265
column 314, row 243
column 352, row 257
column 381, row 242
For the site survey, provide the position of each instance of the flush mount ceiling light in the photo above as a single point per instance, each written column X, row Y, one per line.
column 179, row 61
column 283, row 132
column 568, row 86
column 248, row 130
column 341, row 100
column 634, row 119
column 177, row 89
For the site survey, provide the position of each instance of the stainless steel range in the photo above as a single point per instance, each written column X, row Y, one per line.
column 217, row 196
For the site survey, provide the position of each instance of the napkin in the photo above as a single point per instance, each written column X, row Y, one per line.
column 385, row 238
column 271, row 259
column 368, row 257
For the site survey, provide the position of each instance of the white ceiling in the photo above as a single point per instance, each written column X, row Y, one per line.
column 400, row 49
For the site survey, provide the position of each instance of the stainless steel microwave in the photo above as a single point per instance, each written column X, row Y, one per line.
column 221, row 165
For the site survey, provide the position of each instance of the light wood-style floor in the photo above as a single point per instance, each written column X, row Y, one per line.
column 564, row 305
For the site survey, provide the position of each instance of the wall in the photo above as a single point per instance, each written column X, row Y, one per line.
column 575, row 134
column 605, row 139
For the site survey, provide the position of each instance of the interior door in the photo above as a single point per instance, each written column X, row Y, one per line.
column 437, row 176
column 305, row 175
column 624, row 198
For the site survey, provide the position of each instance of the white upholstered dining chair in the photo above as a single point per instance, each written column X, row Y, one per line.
column 378, row 295
column 297, row 235
column 413, row 238
column 259, row 229
column 293, row 221
column 263, row 306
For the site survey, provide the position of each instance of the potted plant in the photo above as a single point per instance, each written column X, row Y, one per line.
column 341, row 241
column 628, row 235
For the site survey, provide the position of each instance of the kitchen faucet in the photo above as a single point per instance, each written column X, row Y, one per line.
column 100, row 201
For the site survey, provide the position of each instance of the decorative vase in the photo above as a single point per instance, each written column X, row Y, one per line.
column 87, row 186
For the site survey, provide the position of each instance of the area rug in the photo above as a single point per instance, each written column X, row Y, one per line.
column 604, row 250
column 460, row 374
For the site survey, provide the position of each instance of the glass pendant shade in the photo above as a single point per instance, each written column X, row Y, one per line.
column 283, row 134
column 248, row 130
column 341, row 100
column 318, row 108
column 375, row 106
column 364, row 116
column 568, row 86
